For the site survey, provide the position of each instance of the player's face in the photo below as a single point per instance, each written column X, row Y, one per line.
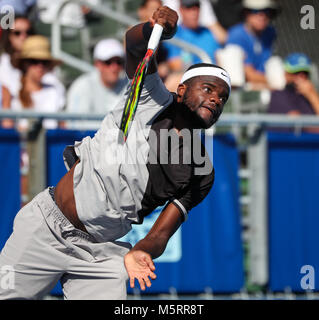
column 205, row 97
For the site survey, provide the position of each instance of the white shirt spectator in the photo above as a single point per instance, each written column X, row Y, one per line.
column 88, row 94
column 71, row 15
column 45, row 100
column 10, row 77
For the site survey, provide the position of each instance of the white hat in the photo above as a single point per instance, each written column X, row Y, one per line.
column 259, row 4
column 107, row 49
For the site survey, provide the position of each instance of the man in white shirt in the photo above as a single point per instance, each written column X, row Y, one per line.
column 97, row 92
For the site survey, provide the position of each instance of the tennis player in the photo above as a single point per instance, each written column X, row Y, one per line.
column 70, row 233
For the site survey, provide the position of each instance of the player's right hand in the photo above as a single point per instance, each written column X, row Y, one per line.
column 139, row 265
column 167, row 18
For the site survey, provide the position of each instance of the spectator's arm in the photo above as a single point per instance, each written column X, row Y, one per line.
column 6, row 104
column 254, row 76
column 219, row 32
column 307, row 89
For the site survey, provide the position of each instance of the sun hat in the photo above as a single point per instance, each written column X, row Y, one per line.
column 37, row 47
column 108, row 48
column 297, row 62
column 259, row 4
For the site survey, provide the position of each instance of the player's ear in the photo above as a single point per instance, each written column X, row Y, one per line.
column 181, row 89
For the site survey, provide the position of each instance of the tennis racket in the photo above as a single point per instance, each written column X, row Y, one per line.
column 138, row 80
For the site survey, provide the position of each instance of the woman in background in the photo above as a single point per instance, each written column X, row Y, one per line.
column 10, row 46
column 34, row 62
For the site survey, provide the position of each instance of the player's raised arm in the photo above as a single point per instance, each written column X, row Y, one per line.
column 137, row 37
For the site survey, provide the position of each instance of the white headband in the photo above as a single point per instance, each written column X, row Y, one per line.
column 207, row 71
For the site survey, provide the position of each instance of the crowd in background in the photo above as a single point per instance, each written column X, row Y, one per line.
column 243, row 45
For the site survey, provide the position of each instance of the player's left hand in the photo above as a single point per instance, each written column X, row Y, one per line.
column 139, row 265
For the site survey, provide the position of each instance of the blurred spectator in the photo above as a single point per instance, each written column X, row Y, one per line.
column 21, row 7
column 98, row 92
column 228, row 12
column 299, row 96
column 72, row 15
column 34, row 61
column 207, row 18
column 256, row 37
column 189, row 31
column 145, row 11
column 11, row 44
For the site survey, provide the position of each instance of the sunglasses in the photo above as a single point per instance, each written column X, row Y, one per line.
column 45, row 63
column 118, row 61
column 266, row 11
column 18, row 33
column 194, row 5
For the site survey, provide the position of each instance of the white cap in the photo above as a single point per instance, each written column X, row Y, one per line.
column 107, row 49
column 259, row 4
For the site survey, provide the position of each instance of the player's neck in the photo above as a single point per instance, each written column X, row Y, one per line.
column 182, row 119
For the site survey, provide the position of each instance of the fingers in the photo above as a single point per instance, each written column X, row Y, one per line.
column 132, row 282
column 149, row 262
column 165, row 17
column 143, row 280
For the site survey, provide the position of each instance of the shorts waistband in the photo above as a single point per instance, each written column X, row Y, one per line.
column 46, row 200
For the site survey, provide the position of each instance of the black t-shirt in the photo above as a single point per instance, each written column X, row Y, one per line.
column 175, row 173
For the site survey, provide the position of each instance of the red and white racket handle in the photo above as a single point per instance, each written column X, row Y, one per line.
column 155, row 37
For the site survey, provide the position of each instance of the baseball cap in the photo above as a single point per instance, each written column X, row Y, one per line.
column 107, row 49
column 189, row 3
column 259, row 4
column 297, row 62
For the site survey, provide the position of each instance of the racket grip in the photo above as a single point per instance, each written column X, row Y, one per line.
column 155, row 37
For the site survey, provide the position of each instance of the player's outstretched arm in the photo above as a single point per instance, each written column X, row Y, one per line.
column 139, row 260
column 137, row 37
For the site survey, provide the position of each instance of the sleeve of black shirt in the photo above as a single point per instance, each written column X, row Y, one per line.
column 198, row 189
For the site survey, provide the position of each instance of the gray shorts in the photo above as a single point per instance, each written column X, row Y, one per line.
column 45, row 247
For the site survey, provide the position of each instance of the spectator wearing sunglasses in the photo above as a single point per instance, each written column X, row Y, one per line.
column 34, row 61
column 11, row 43
column 256, row 37
column 98, row 92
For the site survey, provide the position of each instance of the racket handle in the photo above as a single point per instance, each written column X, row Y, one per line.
column 155, row 37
